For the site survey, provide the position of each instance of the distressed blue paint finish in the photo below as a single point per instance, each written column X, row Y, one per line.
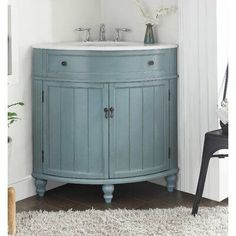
column 73, row 140
column 40, row 186
column 173, row 123
column 108, row 192
column 75, row 130
column 171, row 182
column 108, row 64
column 98, row 181
column 87, row 66
column 139, row 141
column 37, row 125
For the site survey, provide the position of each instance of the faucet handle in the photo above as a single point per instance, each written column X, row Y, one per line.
column 88, row 30
column 102, row 32
column 102, row 26
column 123, row 29
column 82, row 29
column 118, row 30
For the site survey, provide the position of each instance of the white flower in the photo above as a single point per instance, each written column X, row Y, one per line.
column 149, row 18
column 163, row 11
column 153, row 18
column 141, row 8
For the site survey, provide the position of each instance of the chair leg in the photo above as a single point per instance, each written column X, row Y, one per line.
column 11, row 211
column 202, row 178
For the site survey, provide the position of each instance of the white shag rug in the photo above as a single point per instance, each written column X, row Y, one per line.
column 166, row 222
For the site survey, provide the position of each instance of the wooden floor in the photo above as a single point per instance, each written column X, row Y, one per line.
column 143, row 195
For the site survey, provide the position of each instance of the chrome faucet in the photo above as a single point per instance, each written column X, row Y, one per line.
column 102, row 32
column 118, row 30
column 87, row 30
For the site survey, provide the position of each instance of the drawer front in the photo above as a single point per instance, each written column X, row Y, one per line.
column 64, row 64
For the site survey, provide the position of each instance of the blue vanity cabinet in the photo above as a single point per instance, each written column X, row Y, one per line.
column 139, row 128
column 104, row 117
column 75, row 130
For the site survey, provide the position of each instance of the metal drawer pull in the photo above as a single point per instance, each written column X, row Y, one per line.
column 64, row 63
column 151, row 63
column 106, row 110
column 112, row 112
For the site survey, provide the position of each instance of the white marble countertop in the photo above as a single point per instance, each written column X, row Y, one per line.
column 103, row 46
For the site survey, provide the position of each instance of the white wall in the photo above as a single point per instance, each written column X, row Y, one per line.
column 39, row 21
column 124, row 13
column 198, row 94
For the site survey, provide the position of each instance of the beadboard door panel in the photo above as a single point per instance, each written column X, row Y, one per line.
column 139, row 143
column 75, row 130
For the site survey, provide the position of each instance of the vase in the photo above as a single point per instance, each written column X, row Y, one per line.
column 149, row 36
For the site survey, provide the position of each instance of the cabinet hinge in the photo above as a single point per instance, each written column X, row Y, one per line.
column 169, row 153
column 43, row 156
column 42, row 96
column 169, row 95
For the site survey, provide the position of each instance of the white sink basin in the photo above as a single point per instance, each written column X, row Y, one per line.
column 103, row 46
column 106, row 44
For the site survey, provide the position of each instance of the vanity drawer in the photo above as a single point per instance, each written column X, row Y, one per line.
column 105, row 64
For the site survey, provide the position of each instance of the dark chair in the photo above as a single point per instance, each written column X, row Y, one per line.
column 214, row 141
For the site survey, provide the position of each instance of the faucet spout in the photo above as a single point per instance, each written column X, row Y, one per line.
column 102, row 32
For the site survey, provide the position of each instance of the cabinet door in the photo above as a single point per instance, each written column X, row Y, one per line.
column 75, row 130
column 139, row 129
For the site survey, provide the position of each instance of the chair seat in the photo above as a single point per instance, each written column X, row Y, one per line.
column 217, row 133
column 216, row 140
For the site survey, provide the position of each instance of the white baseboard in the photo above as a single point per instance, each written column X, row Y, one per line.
column 25, row 187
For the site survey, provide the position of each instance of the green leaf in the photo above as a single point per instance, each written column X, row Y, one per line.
column 13, row 118
column 15, row 104
column 11, row 122
column 12, row 114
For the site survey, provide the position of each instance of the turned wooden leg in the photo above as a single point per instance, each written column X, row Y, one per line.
column 11, row 211
column 108, row 190
column 40, row 186
column 171, row 182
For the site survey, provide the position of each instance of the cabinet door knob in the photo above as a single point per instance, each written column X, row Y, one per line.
column 112, row 112
column 151, row 63
column 106, row 110
column 64, row 63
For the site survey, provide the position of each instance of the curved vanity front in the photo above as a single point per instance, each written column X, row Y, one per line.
column 104, row 115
